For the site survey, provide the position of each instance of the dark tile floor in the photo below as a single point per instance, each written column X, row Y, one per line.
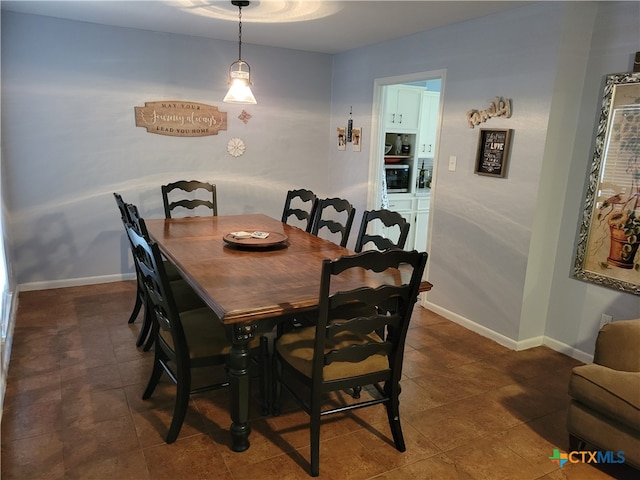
column 471, row 409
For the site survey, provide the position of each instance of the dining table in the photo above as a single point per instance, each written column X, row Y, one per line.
column 251, row 281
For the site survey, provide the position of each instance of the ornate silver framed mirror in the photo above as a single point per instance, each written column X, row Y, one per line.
column 609, row 236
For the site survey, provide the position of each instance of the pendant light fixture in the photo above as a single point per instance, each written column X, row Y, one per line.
column 239, row 71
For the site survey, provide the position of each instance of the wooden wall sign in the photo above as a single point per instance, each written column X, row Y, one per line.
column 179, row 118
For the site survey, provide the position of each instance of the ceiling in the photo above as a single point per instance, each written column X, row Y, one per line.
column 317, row 26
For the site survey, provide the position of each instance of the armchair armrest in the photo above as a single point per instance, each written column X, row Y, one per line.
column 618, row 346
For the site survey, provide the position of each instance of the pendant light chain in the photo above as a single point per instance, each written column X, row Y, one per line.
column 239, row 32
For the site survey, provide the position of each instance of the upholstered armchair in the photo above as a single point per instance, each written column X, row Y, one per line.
column 605, row 395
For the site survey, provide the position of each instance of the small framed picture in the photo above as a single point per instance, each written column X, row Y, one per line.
column 357, row 139
column 493, row 152
column 342, row 138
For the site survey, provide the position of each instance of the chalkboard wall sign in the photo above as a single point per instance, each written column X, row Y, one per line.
column 493, row 152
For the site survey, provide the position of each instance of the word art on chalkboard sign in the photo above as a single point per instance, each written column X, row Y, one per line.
column 179, row 118
column 493, row 152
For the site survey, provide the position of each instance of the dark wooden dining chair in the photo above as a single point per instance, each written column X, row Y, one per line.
column 191, row 195
column 122, row 207
column 343, row 351
column 395, row 223
column 382, row 219
column 301, row 204
column 186, row 339
column 336, row 215
column 144, row 336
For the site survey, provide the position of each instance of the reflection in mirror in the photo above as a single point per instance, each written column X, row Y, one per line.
column 610, row 231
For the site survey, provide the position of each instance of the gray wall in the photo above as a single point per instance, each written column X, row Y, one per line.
column 502, row 249
column 575, row 306
column 70, row 140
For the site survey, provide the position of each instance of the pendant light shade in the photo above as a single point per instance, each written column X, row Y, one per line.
column 239, row 71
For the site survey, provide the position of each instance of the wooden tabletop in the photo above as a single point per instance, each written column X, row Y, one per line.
column 243, row 285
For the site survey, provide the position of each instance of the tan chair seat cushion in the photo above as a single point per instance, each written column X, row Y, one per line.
column 205, row 334
column 613, row 393
column 296, row 348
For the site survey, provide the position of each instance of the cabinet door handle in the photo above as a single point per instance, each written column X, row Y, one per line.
column 393, row 118
column 400, row 119
column 429, row 148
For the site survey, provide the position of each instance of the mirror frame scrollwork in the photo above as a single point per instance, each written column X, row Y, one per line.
column 609, row 237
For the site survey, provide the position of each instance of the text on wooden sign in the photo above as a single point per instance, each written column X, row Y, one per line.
column 179, row 118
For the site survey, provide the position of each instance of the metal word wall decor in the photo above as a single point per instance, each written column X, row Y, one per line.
column 499, row 107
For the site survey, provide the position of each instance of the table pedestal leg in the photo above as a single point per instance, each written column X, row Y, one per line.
column 239, row 378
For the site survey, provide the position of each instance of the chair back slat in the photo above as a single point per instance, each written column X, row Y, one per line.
column 198, row 198
column 302, row 204
column 367, row 295
column 358, row 353
column 125, row 216
column 121, row 206
column 391, row 221
column 336, row 215
column 361, row 324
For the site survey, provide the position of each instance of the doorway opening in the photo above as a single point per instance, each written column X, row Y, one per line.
column 407, row 112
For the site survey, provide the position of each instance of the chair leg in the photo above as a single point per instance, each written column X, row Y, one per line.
column 264, row 375
column 276, row 388
column 315, row 437
column 146, row 327
column 137, row 306
column 151, row 336
column 156, row 373
column 182, row 403
column 393, row 414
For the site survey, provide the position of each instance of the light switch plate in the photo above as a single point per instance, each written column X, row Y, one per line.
column 453, row 160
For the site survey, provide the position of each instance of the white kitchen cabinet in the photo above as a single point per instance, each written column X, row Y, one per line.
column 402, row 108
column 403, row 204
column 415, row 209
column 428, row 124
column 421, row 223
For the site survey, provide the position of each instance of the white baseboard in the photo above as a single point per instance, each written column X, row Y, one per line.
column 474, row 327
column 568, row 350
column 76, row 282
column 506, row 341
column 10, row 309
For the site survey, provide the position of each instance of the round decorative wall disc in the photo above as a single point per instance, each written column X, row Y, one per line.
column 235, row 147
